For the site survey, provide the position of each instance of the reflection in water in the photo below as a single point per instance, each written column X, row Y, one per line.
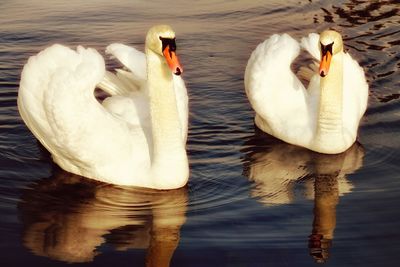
column 276, row 168
column 325, row 201
column 67, row 218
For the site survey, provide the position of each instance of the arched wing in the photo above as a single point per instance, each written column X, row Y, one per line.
column 274, row 91
column 56, row 102
column 124, row 82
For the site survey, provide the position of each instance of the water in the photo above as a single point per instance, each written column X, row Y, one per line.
column 251, row 199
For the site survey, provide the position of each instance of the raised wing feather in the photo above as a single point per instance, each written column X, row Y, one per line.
column 274, row 91
column 131, row 58
column 132, row 84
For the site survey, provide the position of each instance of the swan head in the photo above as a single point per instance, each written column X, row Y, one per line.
column 330, row 44
column 161, row 40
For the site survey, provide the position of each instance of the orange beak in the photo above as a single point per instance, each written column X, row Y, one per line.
column 325, row 64
column 172, row 61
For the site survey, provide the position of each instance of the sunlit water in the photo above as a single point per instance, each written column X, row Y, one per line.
column 251, row 199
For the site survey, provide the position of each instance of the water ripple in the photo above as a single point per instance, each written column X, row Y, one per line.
column 244, row 191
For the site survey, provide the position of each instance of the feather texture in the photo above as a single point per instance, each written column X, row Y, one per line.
column 110, row 141
column 287, row 110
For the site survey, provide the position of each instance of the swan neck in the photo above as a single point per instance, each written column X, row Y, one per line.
column 168, row 146
column 331, row 99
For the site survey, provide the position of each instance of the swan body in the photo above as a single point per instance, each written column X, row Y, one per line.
column 135, row 137
column 325, row 116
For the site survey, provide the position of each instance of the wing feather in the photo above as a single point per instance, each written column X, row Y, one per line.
column 273, row 89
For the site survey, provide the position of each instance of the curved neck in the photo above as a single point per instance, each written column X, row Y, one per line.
column 168, row 147
column 329, row 121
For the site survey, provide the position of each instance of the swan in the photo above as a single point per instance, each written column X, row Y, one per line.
column 135, row 137
column 325, row 116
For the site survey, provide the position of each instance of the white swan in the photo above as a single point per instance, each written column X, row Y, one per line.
column 136, row 137
column 324, row 117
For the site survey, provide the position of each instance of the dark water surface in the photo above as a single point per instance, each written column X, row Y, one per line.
column 251, row 199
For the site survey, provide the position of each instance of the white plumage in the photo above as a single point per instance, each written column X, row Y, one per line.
column 321, row 119
column 114, row 141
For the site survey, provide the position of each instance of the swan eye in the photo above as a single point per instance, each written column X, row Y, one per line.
column 168, row 42
column 326, row 48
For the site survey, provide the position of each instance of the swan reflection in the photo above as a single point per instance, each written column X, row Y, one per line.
column 67, row 218
column 279, row 170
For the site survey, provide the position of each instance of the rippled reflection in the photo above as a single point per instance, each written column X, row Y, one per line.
column 216, row 39
column 69, row 218
column 279, row 169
